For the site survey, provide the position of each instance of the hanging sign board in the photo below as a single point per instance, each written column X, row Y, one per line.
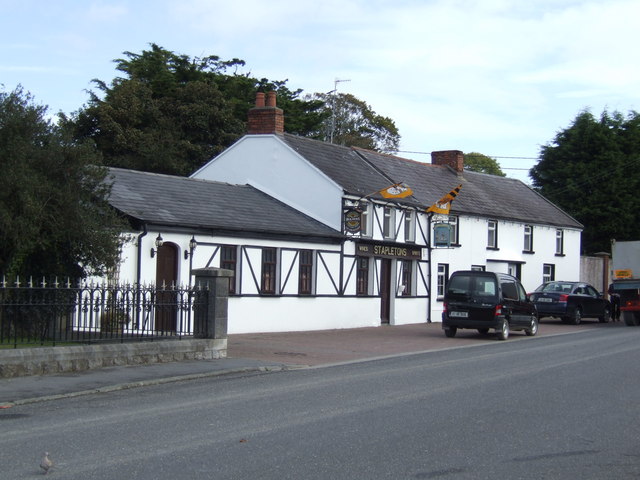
column 352, row 220
column 442, row 235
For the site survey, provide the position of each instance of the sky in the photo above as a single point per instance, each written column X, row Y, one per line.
column 499, row 77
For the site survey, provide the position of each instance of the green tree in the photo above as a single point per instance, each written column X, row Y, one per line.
column 591, row 170
column 54, row 217
column 164, row 117
column 350, row 121
column 171, row 113
column 477, row 162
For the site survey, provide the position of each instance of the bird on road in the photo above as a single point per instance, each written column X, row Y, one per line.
column 46, row 463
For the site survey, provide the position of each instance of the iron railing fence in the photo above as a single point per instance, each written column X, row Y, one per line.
column 55, row 313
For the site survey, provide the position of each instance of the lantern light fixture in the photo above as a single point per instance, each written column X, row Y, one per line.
column 192, row 246
column 159, row 242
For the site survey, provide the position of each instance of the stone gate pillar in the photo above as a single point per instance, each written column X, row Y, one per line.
column 211, row 317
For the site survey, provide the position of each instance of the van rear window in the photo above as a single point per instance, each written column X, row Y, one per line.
column 472, row 286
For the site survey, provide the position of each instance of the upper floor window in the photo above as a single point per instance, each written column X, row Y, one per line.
column 365, row 219
column 229, row 261
column 559, row 242
column 269, row 270
column 388, row 222
column 528, row 238
column 362, row 276
column 305, row 272
column 492, row 234
column 410, row 226
column 453, row 228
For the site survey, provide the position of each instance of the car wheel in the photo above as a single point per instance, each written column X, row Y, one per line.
column 630, row 319
column 450, row 331
column 606, row 316
column 577, row 317
column 483, row 331
column 503, row 331
column 533, row 327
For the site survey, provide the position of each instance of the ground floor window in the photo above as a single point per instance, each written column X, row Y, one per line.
column 443, row 277
column 229, row 261
column 269, row 271
column 362, row 277
column 548, row 272
column 406, row 277
column 305, row 272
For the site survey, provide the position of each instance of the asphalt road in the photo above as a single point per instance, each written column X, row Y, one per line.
column 548, row 408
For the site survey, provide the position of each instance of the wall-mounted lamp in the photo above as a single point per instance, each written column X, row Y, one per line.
column 192, row 246
column 159, row 243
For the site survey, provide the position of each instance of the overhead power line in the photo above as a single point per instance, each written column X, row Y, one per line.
column 491, row 156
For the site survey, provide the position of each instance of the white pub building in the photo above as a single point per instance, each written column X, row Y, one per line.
column 317, row 240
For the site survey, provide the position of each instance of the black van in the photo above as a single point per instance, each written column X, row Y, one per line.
column 487, row 300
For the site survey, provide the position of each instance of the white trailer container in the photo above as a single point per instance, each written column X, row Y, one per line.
column 625, row 258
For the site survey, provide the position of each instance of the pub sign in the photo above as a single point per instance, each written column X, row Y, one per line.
column 442, row 235
column 389, row 250
column 352, row 220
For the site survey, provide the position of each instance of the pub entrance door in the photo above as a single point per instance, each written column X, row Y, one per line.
column 166, row 297
column 385, row 290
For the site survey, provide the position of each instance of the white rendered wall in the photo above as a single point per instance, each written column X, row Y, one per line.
column 268, row 164
column 567, row 266
column 410, row 310
column 128, row 259
column 473, row 235
column 283, row 314
column 273, row 313
column 129, row 263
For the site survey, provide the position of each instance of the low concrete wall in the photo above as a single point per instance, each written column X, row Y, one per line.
column 47, row 360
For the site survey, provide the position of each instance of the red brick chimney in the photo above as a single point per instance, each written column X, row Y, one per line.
column 452, row 158
column 264, row 119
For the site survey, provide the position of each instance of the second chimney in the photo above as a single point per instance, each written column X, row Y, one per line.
column 452, row 158
column 265, row 119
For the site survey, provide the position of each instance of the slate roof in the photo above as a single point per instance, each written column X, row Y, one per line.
column 361, row 172
column 342, row 164
column 200, row 204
